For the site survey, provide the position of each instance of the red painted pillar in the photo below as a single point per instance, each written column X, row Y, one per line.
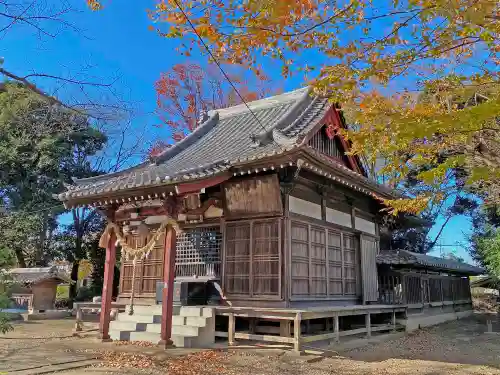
column 107, row 289
column 168, row 286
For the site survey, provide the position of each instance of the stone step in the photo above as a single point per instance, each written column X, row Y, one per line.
column 152, row 337
column 189, row 331
column 118, row 335
column 197, row 321
column 146, row 309
column 137, row 318
column 127, row 326
column 193, row 311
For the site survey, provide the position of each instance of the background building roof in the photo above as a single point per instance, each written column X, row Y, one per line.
column 404, row 257
column 36, row 275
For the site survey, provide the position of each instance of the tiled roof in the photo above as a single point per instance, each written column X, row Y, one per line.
column 226, row 138
column 34, row 275
column 404, row 257
column 489, row 282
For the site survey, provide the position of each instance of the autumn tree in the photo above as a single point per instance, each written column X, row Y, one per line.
column 188, row 89
column 376, row 59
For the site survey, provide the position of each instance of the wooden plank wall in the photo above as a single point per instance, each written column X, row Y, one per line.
column 252, row 197
column 148, row 271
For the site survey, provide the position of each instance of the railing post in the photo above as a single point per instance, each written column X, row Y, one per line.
column 79, row 318
column 404, row 290
column 231, row 329
column 336, row 328
column 393, row 320
column 296, row 332
column 368, row 325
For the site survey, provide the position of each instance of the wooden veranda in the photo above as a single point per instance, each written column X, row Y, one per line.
column 304, row 326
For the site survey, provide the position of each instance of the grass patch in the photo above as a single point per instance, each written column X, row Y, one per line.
column 62, row 291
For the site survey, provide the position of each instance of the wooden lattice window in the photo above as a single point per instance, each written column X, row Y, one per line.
column 351, row 263
column 318, row 261
column 324, row 262
column 253, row 258
column 198, row 252
column 435, row 289
column 425, row 290
column 326, row 145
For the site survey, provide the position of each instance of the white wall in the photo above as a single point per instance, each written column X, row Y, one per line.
column 338, row 217
column 365, row 226
column 303, row 207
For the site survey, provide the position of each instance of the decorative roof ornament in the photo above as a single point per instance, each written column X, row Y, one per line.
column 203, row 117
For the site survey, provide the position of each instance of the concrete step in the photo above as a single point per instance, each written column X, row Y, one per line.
column 152, row 337
column 146, row 309
column 127, row 326
column 118, row 335
column 188, row 331
column 193, row 311
column 197, row 321
column 183, row 341
column 136, row 318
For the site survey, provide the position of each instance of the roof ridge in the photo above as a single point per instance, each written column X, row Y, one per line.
column 297, row 110
column 189, row 140
column 263, row 103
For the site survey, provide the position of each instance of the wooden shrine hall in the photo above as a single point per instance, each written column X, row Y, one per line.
column 257, row 211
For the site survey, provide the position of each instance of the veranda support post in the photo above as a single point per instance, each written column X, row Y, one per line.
column 168, row 286
column 107, row 289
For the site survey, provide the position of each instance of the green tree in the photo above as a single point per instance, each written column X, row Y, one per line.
column 42, row 147
column 485, row 239
column 80, row 240
column 5, row 302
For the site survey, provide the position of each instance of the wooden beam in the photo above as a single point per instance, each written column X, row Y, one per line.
column 192, row 187
column 107, row 290
column 268, row 338
column 168, row 286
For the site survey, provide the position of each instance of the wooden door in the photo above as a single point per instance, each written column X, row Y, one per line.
column 369, row 248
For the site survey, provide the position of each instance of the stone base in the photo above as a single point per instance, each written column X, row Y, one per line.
column 47, row 315
column 417, row 321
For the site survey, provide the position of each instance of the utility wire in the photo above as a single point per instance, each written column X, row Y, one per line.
column 223, row 72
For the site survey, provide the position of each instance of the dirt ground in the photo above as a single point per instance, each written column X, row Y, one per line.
column 459, row 347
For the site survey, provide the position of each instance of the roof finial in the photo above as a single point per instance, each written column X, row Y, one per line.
column 203, row 117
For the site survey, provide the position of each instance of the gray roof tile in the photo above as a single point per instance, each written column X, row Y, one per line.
column 405, row 257
column 35, row 275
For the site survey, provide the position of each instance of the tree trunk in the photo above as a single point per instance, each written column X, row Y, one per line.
column 21, row 262
column 74, row 279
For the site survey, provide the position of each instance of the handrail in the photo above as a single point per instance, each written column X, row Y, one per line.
column 80, row 306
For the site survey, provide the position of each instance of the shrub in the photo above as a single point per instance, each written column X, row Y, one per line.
column 84, row 294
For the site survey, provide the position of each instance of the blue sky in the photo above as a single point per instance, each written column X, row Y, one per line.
column 116, row 43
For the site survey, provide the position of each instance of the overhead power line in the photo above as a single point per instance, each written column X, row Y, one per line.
column 223, row 72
